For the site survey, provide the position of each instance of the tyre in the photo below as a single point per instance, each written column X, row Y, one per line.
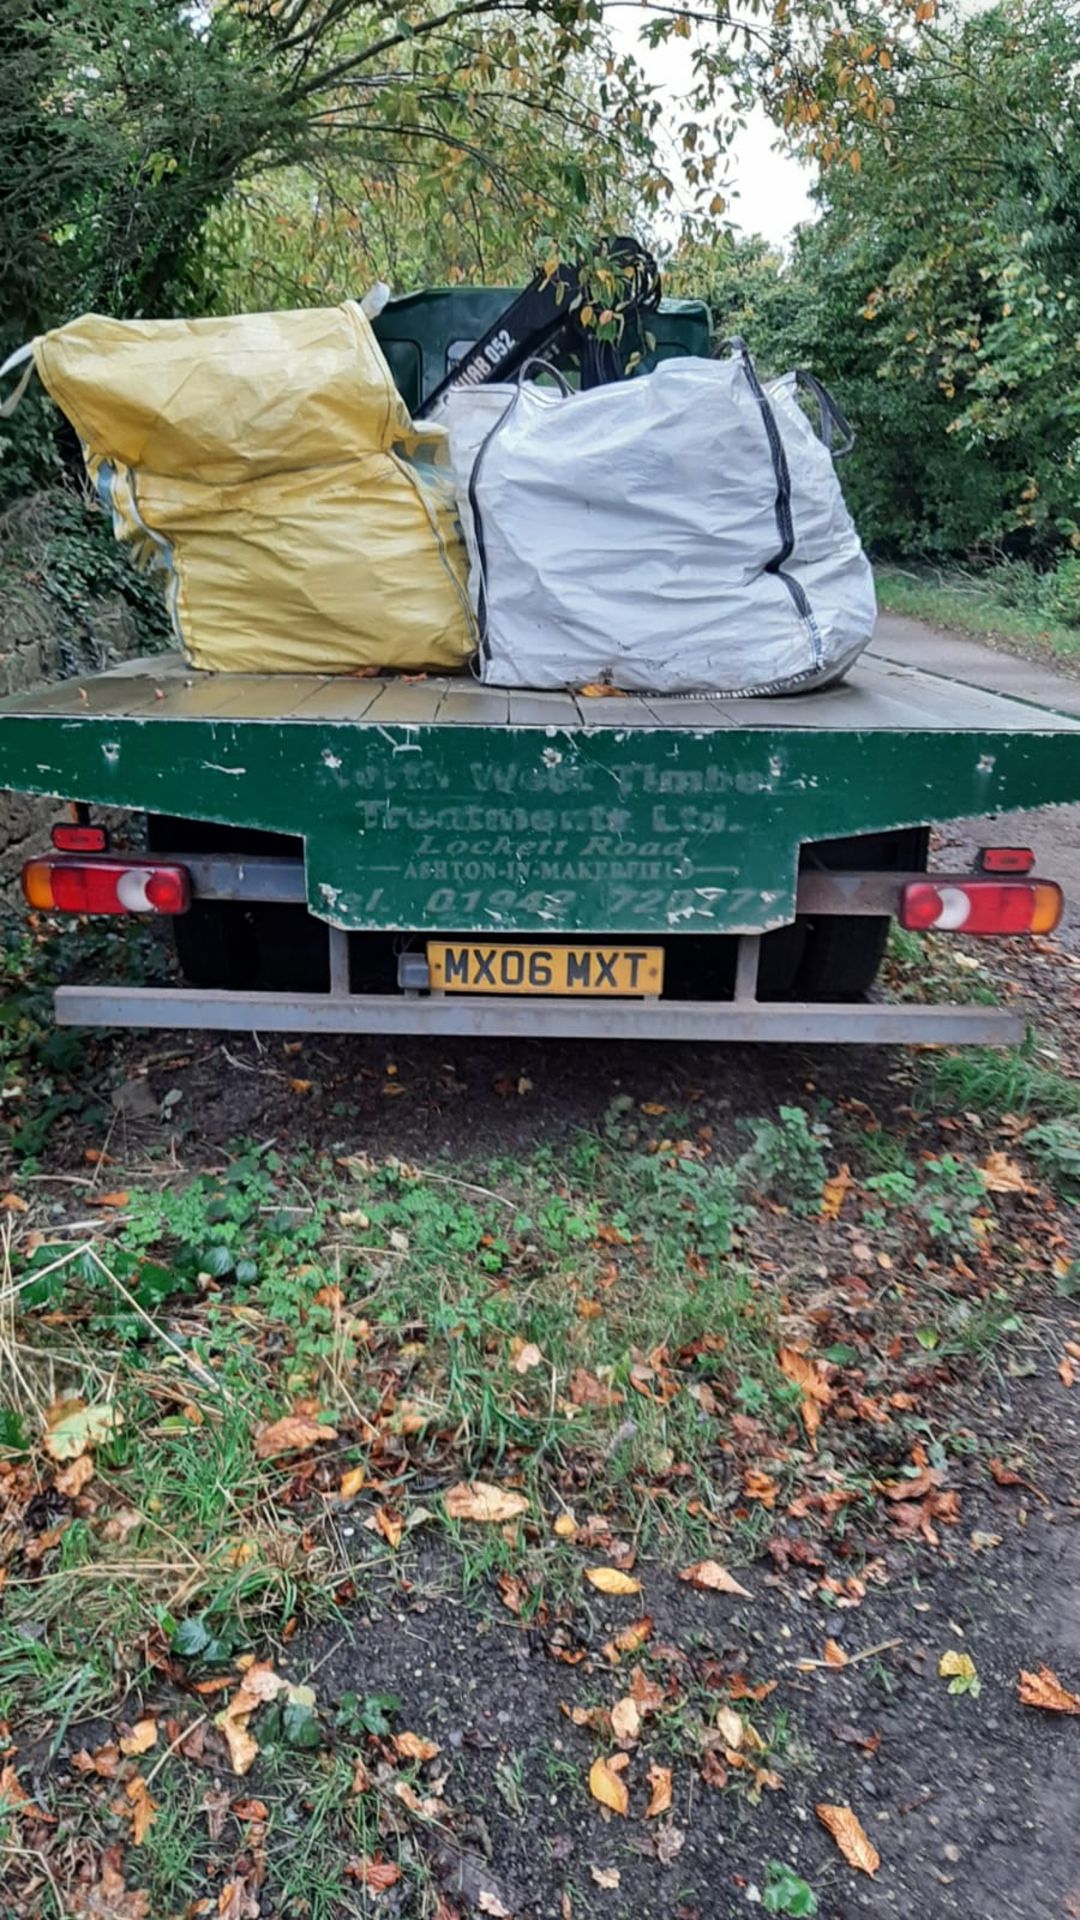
column 232, row 944
column 843, row 952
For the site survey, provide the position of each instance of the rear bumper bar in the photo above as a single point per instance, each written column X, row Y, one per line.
column 464, row 1015
column 416, row 1011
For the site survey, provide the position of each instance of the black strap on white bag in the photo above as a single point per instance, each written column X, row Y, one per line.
column 785, row 524
column 835, row 431
column 528, row 367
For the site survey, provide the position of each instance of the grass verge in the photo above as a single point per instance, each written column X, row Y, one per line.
column 262, row 1406
column 976, row 604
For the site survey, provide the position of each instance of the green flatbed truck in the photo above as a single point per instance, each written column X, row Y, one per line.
column 385, row 855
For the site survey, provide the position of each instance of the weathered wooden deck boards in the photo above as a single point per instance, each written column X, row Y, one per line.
column 879, row 695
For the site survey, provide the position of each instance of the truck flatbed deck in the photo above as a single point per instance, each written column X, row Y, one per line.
column 437, row 806
column 879, row 695
column 627, row 814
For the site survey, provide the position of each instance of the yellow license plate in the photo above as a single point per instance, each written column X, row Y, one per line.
column 465, row 967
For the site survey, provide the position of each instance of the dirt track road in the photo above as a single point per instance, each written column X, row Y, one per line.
column 1054, row 832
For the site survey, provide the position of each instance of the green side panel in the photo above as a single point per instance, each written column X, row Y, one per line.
column 455, row 828
column 418, row 333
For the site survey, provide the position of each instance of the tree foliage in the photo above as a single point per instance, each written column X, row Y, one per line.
column 160, row 157
column 126, row 125
column 940, row 290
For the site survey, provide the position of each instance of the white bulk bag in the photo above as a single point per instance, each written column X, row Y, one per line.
column 683, row 532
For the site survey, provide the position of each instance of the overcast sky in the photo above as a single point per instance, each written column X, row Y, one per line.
column 770, row 191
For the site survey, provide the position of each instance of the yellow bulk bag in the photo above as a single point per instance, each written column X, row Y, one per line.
column 225, row 399
column 321, row 571
column 268, row 467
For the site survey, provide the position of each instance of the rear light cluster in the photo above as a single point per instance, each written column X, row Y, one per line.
column 61, row 883
column 981, row 906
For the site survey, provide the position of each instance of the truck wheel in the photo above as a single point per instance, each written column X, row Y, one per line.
column 844, row 951
column 292, row 949
column 213, row 940
column 215, row 945
column 842, row 958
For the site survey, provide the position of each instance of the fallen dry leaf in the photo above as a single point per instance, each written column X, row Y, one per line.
column 565, row 1526
column 142, row 1737
column 587, row 1391
column 812, row 1384
column 740, row 1688
column 669, row 1842
column 597, row 1719
column 957, row 1666
column 236, row 1901
column 834, row 1191
column 250, row 1809
column 14, row 1794
column 1044, row 1689
column 851, row 1838
column 648, row 1695
column 1067, row 1371
column 413, row 1746
column 105, row 1762
column 490, row 1903
column 479, row 1501
column 730, row 1726
column 108, row 1199
column 660, row 1791
column 215, row 1805
column 834, row 1654
column 376, row 1875
column 1002, row 1175
column 296, row 1433
column 512, row 1592
column 388, row 1524
column 711, row 1577
column 72, row 1427
column 606, row 1786
column 632, row 1638
column 612, row 1580
column 626, row 1719
column 526, row 1356
column 259, row 1684
column 597, row 690
column 14, row 1203
column 243, row 1746
column 607, row 1877
column 143, row 1809
column 351, row 1482
column 108, row 1897
column 71, row 1479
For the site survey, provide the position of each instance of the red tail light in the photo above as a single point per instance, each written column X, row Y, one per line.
column 981, row 906
column 76, row 839
column 1005, row 860
column 62, row 884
